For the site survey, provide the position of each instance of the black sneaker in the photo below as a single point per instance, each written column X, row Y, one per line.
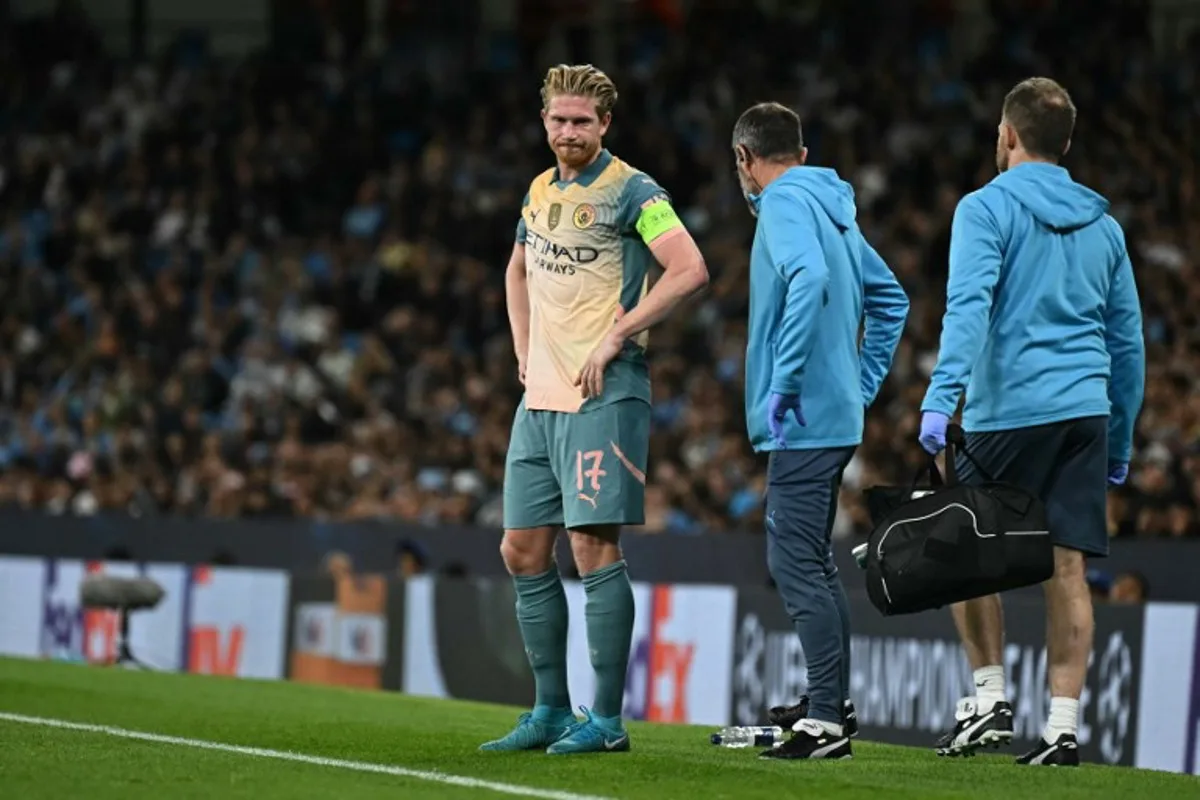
column 973, row 730
column 786, row 717
column 811, row 741
column 1063, row 753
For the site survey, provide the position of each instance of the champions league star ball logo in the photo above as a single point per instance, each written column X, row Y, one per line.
column 585, row 215
column 749, row 690
column 1115, row 681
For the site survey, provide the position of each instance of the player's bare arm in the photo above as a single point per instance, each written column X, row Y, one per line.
column 516, row 291
column 684, row 274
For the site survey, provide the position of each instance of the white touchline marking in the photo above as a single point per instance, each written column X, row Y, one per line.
column 320, row 761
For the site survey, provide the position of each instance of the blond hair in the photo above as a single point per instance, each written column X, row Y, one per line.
column 581, row 80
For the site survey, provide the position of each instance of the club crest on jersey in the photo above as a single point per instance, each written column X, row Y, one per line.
column 555, row 215
column 585, row 215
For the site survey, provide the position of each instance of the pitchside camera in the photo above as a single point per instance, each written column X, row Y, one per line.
column 124, row 596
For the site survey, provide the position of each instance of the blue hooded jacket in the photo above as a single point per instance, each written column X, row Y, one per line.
column 1042, row 321
column 812, row 277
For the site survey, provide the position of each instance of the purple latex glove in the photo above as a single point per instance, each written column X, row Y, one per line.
column 1117, row 473
column 778, row 406
column 933, row 432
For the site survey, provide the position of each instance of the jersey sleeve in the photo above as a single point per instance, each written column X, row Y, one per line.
column 976, row 256
column 646, row 209
column 521, row 220
column 1126, row 345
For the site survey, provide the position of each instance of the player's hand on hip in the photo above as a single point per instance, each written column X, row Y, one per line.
column 1118, row 472
column 521, row 370
column 933, row 432
column 591, row 378
column 778, row 407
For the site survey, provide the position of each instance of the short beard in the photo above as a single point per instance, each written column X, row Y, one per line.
column 581, row 156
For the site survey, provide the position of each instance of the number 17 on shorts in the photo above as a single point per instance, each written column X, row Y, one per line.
column 604, row 482
column 580, row 469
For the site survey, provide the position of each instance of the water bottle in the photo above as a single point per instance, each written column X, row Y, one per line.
column 860, row 554
column 755, row 735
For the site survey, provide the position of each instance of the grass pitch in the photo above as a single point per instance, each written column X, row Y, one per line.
column 234, row 736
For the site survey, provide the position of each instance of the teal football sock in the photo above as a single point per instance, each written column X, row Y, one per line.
column 609, row 614
column 542, row 615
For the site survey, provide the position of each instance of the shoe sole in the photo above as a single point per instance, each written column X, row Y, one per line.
column 483, row 748
column 992, row 739
column 550, row 752
column 846, row 757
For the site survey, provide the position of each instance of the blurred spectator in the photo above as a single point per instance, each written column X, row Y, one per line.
column 337, row 565
column 410, row 559
column 1129, row 588
column 256, row 289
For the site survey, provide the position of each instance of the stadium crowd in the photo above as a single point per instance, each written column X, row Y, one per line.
column 241, row 289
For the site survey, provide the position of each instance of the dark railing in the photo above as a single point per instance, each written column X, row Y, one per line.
column 301, row 546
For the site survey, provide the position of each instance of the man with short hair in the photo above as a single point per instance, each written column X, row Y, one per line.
column 813, row 277
column 579, row 307
column 1043, row 332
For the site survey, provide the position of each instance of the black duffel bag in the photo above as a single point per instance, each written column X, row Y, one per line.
column 948, row 542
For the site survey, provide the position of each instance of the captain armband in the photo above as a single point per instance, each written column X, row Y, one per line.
column 656, row 218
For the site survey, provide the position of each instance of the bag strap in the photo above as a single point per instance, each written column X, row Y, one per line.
column 930, row 469
column 951, row 464
column 956, row 439
column 956, row 442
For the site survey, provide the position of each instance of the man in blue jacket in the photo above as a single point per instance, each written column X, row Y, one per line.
column 812, row 278
column 1043, row 331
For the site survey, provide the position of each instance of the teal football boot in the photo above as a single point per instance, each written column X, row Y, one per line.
column 534, row 731
column 593, row 735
